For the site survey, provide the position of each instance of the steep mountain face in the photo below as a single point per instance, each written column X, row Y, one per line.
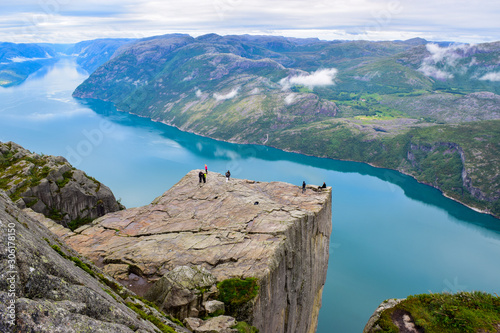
column 93, row 53
column 51, row 186
column 345, row 100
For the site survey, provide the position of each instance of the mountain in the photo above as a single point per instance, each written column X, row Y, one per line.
column 93, row 53
column 406, row 105
column 18, row 61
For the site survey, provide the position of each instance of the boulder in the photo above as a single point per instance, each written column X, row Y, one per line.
column 220, row 324
column 180, row 292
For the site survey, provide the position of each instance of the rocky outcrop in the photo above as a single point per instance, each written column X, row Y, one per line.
column 46, row 287
column 371, row 325
column 51, row 186
column 241, row 228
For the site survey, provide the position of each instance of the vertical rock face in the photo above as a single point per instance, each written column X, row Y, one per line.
column 241, row 228
column 291, row 293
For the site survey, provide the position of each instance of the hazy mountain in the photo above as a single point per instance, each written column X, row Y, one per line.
column 17, row 61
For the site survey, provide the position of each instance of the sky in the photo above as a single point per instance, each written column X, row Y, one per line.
column 71, row 21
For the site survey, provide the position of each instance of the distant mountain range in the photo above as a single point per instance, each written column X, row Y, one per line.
column 18, row 61
column 431, row 110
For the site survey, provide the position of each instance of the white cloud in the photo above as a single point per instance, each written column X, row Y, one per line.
column 432, row 71
column 442, row 60
column 322, row 77
column 495, row 76
column 229, row 95
column 289, row 99
column 71, row 21
column 199, row 94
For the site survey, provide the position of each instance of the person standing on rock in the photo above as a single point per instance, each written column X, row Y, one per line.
column 201, row 176
column 303, row 186
column 206, row 169
column 228, row 174
column 205, row 177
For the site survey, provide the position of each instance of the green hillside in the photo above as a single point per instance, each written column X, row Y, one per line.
column 427, row 110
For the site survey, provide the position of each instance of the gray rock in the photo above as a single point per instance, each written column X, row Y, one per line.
column 371, row 324
column 214, row 306
column 51, row 186
column 51, row 293
column 179, row 292
column 220, row 324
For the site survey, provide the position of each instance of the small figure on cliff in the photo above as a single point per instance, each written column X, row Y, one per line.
column 324, row 185
column 200, row 176
column 303, row 186
column 206, row 169
column 204, row 177
column 228, row 175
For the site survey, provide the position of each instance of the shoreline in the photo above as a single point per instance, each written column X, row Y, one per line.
column 478, row 210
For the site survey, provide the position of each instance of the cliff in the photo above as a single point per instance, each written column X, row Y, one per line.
column 51, row 186
column 46, row 287
column 238, row 229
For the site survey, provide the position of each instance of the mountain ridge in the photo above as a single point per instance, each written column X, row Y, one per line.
column 351, row 100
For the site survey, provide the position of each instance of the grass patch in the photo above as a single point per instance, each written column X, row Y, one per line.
column 243, row 327
column 78, row 222
column 67, row 176
column 58, row 250
column 82, row 265
column 154, row 320
column 236, row 292
column 466, row 312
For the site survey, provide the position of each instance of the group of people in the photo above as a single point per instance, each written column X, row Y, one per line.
column 203, row 178
column 203, row 175
column 304, row 186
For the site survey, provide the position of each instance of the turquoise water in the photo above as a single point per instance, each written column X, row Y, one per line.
column 392, row 237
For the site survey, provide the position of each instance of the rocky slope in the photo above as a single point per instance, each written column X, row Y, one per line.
column 46, row 287
column 50, row 185
column 236, row 229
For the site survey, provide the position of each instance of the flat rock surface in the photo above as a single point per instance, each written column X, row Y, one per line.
column 231, row 228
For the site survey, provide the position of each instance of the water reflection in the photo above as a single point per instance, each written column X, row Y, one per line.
column 213, row 149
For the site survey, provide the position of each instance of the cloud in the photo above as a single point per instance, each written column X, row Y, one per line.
column 322, row 77
column 199, row 94
column 495, row 76
column 289, row 99
column 443, row 60
column 65, row 21
column 433, row 71
column 229, row 95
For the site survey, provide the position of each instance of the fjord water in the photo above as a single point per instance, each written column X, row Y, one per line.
column 392, row 237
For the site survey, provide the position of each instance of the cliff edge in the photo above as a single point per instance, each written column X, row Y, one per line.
column 238, row 229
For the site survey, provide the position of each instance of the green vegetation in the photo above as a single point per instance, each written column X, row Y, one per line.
column 78, row 222
column 67, row 176
column 236, row 292
column 243, row 327
column 463, row 312
column 154, row 320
